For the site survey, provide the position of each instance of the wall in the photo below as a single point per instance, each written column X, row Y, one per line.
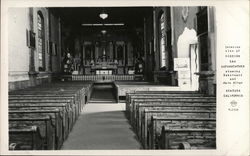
column 213, row 39
column 179, row 25
column 55, row 32
column 18, row 52
column 182, row 32
column 21, row 74
column 184, row 28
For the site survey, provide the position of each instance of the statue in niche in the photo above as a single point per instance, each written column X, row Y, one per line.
column 68, row 63
column 139, row 65
column 104, row 55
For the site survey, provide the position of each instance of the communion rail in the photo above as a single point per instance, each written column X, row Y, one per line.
column 106, row 77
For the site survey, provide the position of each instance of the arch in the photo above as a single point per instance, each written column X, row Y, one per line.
column 41, row 41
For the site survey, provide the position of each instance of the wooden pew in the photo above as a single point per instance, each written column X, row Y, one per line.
column 65, row 99
column 80, row 103
column 175, row 98
column 131, row 96
column 156, row 124
column 79, row 95
column 79, row 90
column 43, row 123
column 160, row 91
column 168, row 106
column 131, row 106
column 170, row 114
column 187, row 138
column 67, row 112
column 56, row 117
column 168, row 98
column 138, row 107
column 25, row 138
column 51, row 101
column 141, row 105
column 45, row 99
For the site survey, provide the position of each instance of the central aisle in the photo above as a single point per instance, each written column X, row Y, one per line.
column 102, row 127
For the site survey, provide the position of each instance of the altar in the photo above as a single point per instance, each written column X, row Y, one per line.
column 105, row 57
column 104, row 69
column 104, row 72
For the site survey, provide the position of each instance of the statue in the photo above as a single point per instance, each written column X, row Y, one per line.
column 68, row 64
column 139, row 66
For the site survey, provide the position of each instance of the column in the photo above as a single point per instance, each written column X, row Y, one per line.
column 155, row 40
column 83, row 54
column 111, row 49
column 32, row 61
column 32, row 73
column 115, row 50
column 126, row 53
column 145, row 48
column 59, row 43
column 123, row 56
column 49, row 39
column 96, row 51
column 129, row 54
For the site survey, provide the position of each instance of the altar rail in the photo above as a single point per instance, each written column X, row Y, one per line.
column 106, row 77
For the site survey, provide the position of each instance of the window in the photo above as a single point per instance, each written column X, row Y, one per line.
column 41, row 42
column 162, row 41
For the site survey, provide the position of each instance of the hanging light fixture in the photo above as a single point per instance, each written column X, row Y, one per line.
column 104, row 32
column 103, row 15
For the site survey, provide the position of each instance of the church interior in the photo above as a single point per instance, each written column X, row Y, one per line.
column 84, row 78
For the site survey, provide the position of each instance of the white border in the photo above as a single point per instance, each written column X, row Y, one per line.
column 233, row 128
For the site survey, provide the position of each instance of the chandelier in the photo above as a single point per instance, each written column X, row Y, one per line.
column 104, row 32
column 103, row 15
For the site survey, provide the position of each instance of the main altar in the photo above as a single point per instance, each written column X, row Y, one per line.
column 107, row 58
column 104, row 68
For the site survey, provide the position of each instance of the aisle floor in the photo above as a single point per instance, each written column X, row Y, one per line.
column 102, row 127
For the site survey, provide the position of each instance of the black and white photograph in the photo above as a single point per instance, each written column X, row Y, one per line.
column 123, row 77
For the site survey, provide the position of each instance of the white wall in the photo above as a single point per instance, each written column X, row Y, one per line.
column 184, row 40
column 18, row 22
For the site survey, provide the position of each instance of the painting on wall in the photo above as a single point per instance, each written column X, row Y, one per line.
column 30, row 39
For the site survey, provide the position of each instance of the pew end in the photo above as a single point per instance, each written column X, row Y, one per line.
column 26, row 138
column 184, row 146
column 187, row 139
